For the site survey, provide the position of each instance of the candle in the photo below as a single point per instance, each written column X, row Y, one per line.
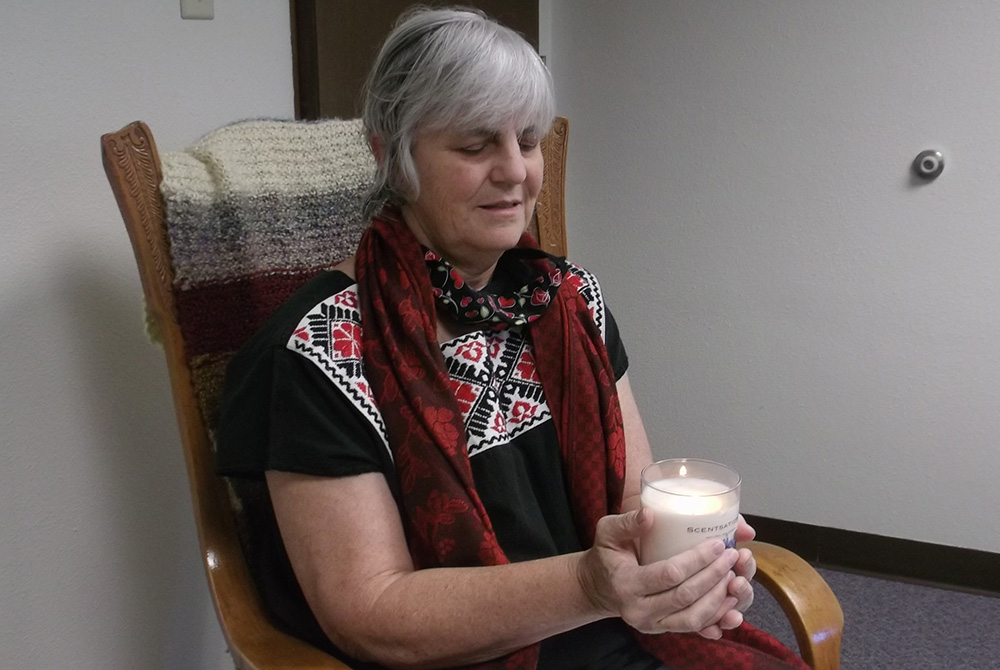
column 692, row 501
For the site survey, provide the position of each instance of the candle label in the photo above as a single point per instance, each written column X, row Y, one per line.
column 724, row 531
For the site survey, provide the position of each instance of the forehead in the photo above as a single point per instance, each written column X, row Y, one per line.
column 471, row 132
column 482, row 116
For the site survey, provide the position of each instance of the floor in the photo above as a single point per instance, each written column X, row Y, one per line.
column 893, row 625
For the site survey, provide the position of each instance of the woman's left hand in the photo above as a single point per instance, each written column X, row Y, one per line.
column 745, row 568
column 740, row 586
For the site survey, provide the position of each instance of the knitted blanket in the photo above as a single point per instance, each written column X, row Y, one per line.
column 253, row 210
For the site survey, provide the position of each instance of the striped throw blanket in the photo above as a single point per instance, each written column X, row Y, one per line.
column 253, row 210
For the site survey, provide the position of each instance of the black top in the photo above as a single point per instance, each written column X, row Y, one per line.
column 296, row 400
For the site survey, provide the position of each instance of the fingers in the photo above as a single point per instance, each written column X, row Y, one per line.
column 731, row 620
column 688, row 592
column 742, row 591
column 714, row 631
column 668, row 574
column 741, row 588
column 744, row 531
column 693, row 591
column 740, row 597
column 706, row 613
column 730, row 614
column 746, row 565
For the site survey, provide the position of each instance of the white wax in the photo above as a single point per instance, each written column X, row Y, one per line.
column 688, row 511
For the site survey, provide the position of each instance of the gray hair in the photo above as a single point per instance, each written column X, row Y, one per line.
column 448, row 68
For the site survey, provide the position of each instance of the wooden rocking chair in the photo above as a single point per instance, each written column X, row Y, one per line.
column 133, row 168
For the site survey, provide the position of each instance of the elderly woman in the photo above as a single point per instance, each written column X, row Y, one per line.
column 444, row 421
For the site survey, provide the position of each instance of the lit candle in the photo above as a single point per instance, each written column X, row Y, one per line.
column 688, row 509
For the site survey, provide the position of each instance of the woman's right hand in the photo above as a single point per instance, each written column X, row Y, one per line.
column 686, row 593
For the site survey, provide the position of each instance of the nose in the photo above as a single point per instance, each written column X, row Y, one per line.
column 510, row 166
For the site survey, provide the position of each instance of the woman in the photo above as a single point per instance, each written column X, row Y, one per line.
column 445, row 425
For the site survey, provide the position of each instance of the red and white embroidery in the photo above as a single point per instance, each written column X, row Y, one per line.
column 330, row 336
column 492, row 373
column 500, row 395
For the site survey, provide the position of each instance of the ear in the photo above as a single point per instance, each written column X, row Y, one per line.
column 377, row 146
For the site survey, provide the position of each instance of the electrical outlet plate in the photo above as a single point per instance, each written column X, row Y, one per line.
column 197, row 9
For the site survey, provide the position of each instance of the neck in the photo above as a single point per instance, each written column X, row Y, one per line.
column 476, row 278
column 475, row 269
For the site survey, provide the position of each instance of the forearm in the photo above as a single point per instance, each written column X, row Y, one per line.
column 456, row 616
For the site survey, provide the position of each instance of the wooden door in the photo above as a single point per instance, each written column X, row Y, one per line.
column 335, row 41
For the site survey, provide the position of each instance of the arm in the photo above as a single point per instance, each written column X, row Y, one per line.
column 346, row 543
column 638, row 453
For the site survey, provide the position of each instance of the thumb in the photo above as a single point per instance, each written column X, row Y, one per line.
column 621, row 529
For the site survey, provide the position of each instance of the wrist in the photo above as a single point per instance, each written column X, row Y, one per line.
column 586, row 566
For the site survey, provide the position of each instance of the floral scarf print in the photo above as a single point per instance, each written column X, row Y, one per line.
column 536, row 277
column 445, row 521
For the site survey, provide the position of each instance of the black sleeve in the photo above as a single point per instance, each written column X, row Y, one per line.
column 613, row 343
column 280, row 412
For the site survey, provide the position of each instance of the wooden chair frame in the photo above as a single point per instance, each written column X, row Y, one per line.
column 132, row 165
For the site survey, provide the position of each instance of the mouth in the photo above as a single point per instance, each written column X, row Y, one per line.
column 501, row 205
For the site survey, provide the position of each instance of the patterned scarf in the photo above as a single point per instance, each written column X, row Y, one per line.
column 445, row 521
column 533, row 277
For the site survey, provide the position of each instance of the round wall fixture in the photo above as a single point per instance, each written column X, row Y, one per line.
column 928, row 164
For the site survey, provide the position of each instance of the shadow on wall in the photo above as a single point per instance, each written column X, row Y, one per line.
column 160, row 593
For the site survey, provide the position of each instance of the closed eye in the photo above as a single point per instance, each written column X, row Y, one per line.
column 528, row 146
column 528, row 140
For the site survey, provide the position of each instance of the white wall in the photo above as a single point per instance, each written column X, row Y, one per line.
column 799, row 309
column 794, row 303
column 98, row 561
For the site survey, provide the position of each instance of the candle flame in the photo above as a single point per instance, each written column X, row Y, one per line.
column 684, row 471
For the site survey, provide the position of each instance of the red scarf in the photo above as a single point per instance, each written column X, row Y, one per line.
column 445, row 521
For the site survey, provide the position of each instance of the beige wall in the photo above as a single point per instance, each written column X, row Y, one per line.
column 98, row 562
column 793, row 303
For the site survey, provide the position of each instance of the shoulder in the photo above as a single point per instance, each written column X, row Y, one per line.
column 314, row 338
column 584, row 281
column 282, row 324
column 346, row 267
column 589, row 288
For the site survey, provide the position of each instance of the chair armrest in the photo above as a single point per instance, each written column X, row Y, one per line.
column 807, row 600
column 271, row 649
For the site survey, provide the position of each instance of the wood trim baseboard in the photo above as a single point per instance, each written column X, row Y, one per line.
column 953, row 567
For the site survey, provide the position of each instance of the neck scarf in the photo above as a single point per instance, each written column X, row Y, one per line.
column 445, row 521
column 530, row 276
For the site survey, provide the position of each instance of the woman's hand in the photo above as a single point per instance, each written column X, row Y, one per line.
column 689, row 592
column 740, row 586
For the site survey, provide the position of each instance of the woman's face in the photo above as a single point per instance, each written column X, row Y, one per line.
column 477, row 193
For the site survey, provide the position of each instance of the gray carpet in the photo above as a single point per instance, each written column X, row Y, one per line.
column 890, row 625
